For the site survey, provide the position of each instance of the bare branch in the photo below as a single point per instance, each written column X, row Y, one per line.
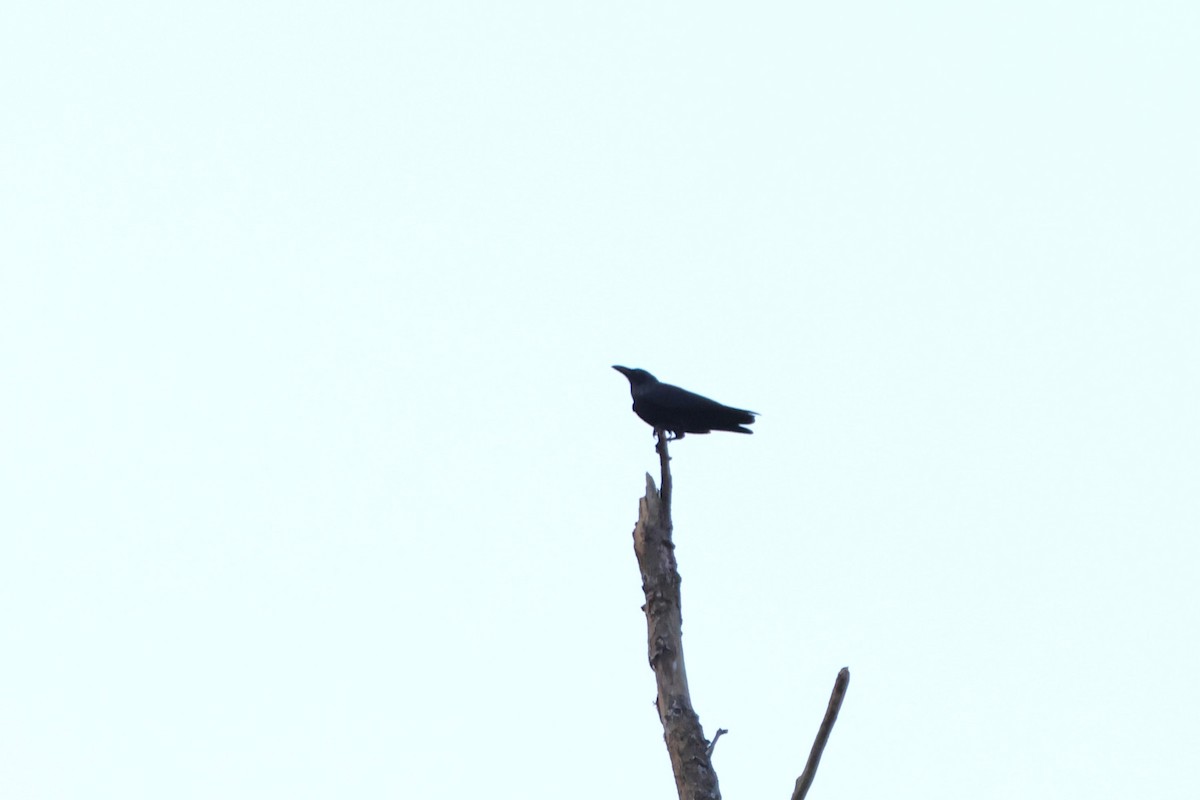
column 713, row 744
column 664, row 465
column 814, row 757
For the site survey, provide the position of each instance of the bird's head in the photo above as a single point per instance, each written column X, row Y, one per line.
column 637, row 377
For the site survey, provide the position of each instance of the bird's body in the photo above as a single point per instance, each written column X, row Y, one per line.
column 679, row 411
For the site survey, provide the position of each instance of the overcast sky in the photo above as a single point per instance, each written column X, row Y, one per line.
column 315, row 481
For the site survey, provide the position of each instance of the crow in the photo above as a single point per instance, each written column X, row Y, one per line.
column 680, row 411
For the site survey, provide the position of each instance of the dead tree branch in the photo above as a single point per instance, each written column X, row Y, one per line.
column 690, row 752
column 713, row 744
column 684, row 736
column 831, row 712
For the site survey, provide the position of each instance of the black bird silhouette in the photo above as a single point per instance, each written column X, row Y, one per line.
column 680, row 411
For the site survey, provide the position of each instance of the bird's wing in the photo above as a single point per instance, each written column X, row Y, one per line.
column 668, row 399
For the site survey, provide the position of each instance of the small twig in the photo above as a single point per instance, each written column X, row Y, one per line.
column 664, row 490
column 713, row 744
column 814, row 757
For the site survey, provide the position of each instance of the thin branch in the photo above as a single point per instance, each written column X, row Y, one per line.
column 831, row 713
column 664, row 468
column 713, row 744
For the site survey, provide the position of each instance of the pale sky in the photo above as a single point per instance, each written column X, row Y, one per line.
column 315, row 481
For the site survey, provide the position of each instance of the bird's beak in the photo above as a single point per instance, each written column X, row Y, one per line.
column 623, row 370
